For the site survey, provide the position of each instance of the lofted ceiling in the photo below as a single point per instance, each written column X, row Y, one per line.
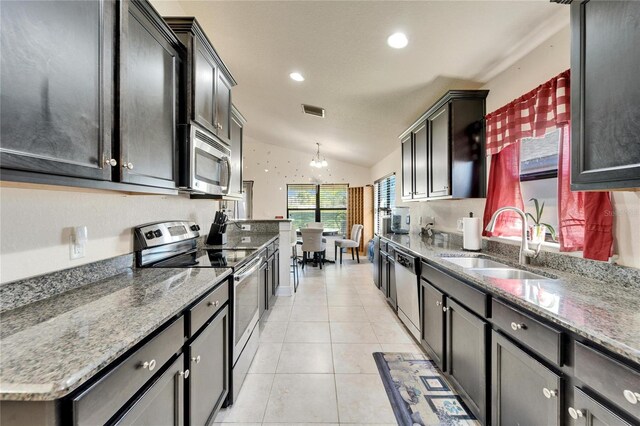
column 370, row 91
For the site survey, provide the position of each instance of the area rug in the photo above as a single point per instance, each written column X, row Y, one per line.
column 419, row 393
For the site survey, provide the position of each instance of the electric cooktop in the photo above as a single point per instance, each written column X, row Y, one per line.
column 207, row 258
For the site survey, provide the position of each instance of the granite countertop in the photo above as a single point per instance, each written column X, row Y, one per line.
column 52, row 346
column 252, row 241
column 602, row 312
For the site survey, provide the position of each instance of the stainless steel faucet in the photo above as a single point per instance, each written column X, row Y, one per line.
column 525, row 252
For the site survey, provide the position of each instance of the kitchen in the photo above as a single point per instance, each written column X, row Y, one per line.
column 149, row 137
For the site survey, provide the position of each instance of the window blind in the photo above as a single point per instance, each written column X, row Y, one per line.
column 384, row 193
column 301, row 196
column 325, row 203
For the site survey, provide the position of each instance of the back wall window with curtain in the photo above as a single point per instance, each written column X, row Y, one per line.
column 384, row 198
column 325, row 203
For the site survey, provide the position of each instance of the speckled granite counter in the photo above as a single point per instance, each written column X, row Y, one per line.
column 602, row 312
column 52, row 346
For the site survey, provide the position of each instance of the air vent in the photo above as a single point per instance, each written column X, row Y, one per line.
column 313, row 110
column 214, row 143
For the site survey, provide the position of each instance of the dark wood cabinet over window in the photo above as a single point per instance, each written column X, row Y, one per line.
column 605, row 89
column 443, row 151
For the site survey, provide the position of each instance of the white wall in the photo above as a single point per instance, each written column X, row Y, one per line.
column 35, row 224
column 288, row 166
column 546, row 61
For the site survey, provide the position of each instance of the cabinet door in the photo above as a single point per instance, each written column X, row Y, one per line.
column 587, row 411
column 235, row 186
column 604, row 97
column 56, row 87
column 209, row 367
column 433, row 320
column 204, row 82
column 384, row 274
column 223, row 108
column 163, row 401
column 149, row 77
column 439, row 161
column 525, row 392
column 276, row 271
column 262, row 291
column 269, row 286
column 407, row 167
column 393, row 293
column 420, row 162
column 466, row 337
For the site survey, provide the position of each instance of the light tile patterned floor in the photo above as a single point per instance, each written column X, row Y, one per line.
column 315, row 364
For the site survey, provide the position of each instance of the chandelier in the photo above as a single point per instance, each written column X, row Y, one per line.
column 316, row 161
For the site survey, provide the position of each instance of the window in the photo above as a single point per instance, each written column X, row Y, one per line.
column 318, row 203
column 539, row 175
column 384, row 197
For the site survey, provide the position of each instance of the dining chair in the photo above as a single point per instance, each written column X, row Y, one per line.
column 315, row 225
column 353, row 243
column 312, row 242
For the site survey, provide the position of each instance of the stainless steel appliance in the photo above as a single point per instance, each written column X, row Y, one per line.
column 407, row 285
column 400, row 220
column 174, row 245
column 206, row 164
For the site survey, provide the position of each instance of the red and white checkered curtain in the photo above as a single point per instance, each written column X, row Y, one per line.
column 532, row 115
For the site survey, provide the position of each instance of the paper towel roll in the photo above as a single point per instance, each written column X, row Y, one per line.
column 472, row 229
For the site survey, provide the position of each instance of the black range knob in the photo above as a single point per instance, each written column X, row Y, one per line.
column 157, row 233
column 194, row 227
column 149, row 235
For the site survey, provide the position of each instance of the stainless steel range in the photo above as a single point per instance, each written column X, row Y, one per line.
column 174, row 244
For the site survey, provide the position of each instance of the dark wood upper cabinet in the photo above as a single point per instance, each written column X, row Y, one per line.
column 150, row 66
column 605, row 89
column 407, row 167
column 443, row 151
column 56, row 87
column 208, row 81
column 237, row 131
column 525, row 392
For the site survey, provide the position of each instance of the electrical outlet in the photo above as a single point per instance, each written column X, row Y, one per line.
column 246, row 227
column 246, row 239
column 77, row 241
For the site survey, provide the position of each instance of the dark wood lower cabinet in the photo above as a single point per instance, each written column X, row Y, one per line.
column 163, row 401
column 524, row 391
column 276, row 271
column 466, row 339
column 587, row 411
column 269, row 286
column 433, row 322
column 209, row 370
column 262, row 293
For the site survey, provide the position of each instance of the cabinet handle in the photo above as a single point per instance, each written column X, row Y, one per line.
column 548, row 393
column 438, row 303
column 184, row 374
column 575, row 414
column 214, row 304
column 445, row 309
column 150, row 365
column 110, row 162
column 515, row 326
column 631, row 396
column 127, row 166
column 196, row 359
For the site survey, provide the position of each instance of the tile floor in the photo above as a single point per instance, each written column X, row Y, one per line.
column 314, row 363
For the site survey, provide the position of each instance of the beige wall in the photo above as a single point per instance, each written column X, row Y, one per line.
column 288, row 166
column 544, row 62
column 35, row 224
column 168, row 7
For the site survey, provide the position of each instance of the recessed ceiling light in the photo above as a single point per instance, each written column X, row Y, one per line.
column 296, row 76
column 397, row 40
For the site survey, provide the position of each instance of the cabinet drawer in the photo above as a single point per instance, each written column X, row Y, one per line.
column 595, row 413
column 101, row 401
column 616, row 382
column 209, row 305
column 473, row 299
column 543, row 339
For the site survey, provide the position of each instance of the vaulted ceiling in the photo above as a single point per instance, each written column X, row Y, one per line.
column 371, row 92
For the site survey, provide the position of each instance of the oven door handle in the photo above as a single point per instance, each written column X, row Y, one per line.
column 249, row 269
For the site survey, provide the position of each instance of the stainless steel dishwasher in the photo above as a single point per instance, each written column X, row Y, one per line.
column 407, row 273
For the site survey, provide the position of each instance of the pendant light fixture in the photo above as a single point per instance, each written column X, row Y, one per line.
column 316, row 161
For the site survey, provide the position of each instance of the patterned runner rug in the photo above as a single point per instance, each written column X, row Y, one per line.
column 419, row 393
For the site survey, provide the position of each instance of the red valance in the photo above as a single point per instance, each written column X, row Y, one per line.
column 531, row 115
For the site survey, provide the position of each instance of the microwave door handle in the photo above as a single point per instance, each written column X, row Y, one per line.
column 228, row 186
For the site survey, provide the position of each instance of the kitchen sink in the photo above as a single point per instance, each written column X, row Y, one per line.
column 508, row 273
column 475, row 262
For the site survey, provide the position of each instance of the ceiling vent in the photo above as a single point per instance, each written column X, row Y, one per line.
column 313, row 110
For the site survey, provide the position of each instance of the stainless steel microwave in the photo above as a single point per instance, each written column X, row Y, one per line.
column 206, row 164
